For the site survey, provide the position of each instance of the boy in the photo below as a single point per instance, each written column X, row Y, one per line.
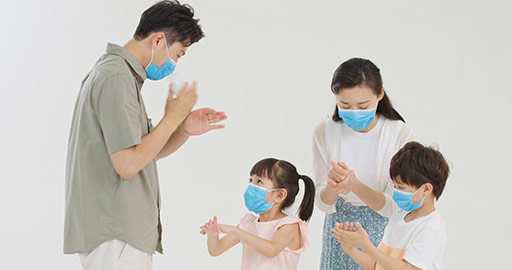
column 414, row 238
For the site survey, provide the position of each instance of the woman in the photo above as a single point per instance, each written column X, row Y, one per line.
column 351, row 157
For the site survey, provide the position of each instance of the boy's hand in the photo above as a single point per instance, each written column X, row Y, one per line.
column 211, row 227
column 340, row 227
column 347, row 236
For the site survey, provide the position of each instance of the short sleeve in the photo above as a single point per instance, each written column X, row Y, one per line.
column 303, row 231
column 426, row 248
column 321, row 167
column 246, row 220
column 118, row 110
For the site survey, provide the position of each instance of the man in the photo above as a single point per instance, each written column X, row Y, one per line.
column 112, row 191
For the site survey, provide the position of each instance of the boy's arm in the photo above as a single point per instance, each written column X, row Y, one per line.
column 268, row 248
column 361, row 258
column 386, row 261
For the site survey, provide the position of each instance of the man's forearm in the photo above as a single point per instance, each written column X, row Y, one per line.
column 129, row 162
column 177, row 139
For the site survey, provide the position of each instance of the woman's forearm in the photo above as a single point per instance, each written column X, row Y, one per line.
column 373, row 199
column 328, row 195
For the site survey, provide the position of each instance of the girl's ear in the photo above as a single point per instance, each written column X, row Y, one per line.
column 281, row 195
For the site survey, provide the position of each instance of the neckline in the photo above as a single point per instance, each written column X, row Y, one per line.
column 416, row 219
column 371, row 132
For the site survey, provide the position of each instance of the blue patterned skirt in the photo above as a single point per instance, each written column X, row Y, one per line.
column 333, row 257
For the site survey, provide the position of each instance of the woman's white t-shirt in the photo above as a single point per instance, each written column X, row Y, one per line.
column 360, row 155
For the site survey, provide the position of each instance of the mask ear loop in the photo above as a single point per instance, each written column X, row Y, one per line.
column 416, row 192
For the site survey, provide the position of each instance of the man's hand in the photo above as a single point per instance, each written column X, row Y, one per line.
column 203, row 120
column 179, row 108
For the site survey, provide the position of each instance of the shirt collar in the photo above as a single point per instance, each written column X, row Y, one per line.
column 130, row 59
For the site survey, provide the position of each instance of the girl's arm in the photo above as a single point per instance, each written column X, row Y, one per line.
column 215, row 245
column 268, row 248
column 218, row 246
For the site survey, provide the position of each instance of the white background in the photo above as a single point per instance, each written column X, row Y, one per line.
column 268, row 65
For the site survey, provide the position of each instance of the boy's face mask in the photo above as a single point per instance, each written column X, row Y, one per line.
column 404, row 200
column 254, row 197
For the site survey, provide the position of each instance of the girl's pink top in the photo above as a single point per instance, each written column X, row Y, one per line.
column 286, row 259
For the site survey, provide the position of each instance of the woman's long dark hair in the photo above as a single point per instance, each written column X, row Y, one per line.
column 362, row 72
column 284, row 175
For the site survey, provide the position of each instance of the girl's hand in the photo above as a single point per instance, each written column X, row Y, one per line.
column 211, row 227
column 349, row 237
column 227, row 229
column 341, row 178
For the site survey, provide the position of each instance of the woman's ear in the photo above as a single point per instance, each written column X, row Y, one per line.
column 382, row 94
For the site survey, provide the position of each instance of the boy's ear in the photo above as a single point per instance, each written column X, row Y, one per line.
column 428, row 188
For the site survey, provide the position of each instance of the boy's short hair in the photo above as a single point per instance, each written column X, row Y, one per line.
column 174, row 19
column 417, row 165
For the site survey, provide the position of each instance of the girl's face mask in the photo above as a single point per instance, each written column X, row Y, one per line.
column 254, row 197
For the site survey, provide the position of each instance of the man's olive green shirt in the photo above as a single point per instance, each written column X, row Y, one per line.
column 110, row 116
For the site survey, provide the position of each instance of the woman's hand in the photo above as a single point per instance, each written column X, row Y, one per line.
column 351, row 238
column 341, row 178
column 211, row 227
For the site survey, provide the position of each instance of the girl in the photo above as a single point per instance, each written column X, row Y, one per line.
column 351, row 157
column 271, row 240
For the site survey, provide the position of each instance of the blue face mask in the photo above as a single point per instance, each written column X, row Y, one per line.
column 254, row 197
column 357, row 119
column 156, row 73
column 404, row 200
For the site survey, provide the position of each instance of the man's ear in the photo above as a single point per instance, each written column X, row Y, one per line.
column 157, row 38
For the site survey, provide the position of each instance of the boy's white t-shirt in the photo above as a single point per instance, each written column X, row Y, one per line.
column 421, row 242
